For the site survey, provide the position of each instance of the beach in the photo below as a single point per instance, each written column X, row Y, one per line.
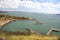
column 2, row 22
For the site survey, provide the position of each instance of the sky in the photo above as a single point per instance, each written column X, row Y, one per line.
column 39, row 6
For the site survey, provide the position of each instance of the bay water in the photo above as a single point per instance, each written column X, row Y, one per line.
column 48, row 21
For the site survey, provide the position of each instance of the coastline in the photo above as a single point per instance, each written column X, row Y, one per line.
column 5, row 19
column 22, row 35
column 3, row 23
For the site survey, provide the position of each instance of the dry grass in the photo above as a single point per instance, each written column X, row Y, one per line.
column 7, row 36
column 27, row 37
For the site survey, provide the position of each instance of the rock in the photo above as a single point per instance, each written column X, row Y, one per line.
column 52, row 30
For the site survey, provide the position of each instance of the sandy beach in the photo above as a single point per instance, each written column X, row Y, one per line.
column 4, row 22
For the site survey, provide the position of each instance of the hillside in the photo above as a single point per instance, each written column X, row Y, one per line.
column 15, row 36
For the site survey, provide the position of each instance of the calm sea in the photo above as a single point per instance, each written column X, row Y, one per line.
column 48, row 21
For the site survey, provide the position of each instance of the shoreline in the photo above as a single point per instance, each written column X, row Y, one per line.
column 19, row 35
column 2, row 24
column 5, row 19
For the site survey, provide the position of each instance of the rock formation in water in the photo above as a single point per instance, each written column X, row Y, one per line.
column 52, row 30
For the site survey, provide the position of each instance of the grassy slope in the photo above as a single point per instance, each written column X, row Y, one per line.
column 6, row 36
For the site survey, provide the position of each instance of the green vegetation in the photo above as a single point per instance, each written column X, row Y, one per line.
column 14, row 17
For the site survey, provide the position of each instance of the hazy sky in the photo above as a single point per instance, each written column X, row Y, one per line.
column 40, row 6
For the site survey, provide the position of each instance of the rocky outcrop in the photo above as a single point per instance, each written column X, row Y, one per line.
column 52, row 30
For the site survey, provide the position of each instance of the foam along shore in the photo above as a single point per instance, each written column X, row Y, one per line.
column 3, row 23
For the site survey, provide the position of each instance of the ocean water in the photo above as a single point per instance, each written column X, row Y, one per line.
column 48, row 21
